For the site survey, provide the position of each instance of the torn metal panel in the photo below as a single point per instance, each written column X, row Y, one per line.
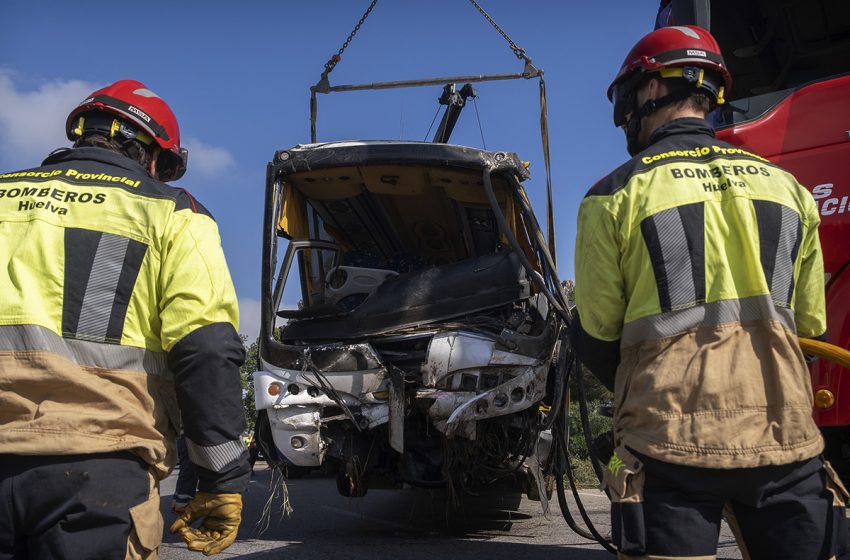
column 519, row 393
column 295, row 430
column 375, row 414
column 453, row 352
column 539, row 346
column 396, row 410
column 285, row 387
column 353, row 369
column 535, row 463
column 445, row 402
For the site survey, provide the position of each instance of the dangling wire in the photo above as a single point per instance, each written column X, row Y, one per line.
column 427, row 134
column 401, row 122
column 477, row 116
column 277, row 489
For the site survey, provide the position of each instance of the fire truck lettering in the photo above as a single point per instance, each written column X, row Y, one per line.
column 828, row 207
column 822, row 191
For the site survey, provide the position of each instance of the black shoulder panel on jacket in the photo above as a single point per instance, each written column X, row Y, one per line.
column 615, row 180
column 186, row 200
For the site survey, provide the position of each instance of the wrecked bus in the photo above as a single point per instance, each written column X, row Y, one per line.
column 406, row 335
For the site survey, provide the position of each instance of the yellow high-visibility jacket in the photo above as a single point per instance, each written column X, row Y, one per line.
column 697, row 265
column 116, row 305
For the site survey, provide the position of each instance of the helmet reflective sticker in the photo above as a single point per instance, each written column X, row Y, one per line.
column 145, row 92
column 686, row 30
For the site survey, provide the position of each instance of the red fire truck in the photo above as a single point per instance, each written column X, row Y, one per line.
column 790, row 102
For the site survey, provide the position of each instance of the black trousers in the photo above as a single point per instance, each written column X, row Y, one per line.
column 787, row 512
column 69, row 506
column 187, row 478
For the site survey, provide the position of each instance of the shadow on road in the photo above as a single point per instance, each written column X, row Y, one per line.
column 407, row 524
column 410, row 509
column 461, row 550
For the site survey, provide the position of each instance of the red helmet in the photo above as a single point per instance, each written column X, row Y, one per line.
column 682, row 51
column 132, row 101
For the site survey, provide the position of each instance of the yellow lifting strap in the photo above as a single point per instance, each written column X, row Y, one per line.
column 826, row 351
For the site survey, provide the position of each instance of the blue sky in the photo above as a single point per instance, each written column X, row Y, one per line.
column 237, row 75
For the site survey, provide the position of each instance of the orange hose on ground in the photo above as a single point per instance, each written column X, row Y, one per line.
column 826, row 351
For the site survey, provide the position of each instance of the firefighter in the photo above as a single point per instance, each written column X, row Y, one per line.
column 118, row 317
column 697, row 266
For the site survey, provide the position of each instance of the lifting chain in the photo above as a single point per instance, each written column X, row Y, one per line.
column 334, row 60
column 518, row 51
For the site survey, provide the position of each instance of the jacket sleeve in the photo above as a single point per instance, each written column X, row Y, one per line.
column 199, row 318
column 809, row 293
column 599, row 290
column 599, row 356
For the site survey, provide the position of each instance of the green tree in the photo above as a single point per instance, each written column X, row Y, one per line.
column 252, row 364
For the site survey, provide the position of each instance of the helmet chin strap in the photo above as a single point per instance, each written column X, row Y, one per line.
column 633, row 127
column 632, row 130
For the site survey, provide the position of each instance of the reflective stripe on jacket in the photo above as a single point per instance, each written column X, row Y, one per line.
column 116, row 302
column 701, row 263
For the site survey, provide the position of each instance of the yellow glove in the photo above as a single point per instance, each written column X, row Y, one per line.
column 221, row 514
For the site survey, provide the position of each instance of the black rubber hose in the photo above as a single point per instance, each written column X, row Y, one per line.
column 593, row 534
column 562, row 459
column 565, row 508
column 560, row 373
column 535, row 276
column 562, row 438
column 562, row 501
column 531, row 220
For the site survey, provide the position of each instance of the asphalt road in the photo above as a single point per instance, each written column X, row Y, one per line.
column 403, row 524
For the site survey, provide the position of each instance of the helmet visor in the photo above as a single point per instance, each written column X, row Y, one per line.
column 620, row 99
column 171, row 166
column 623, row 96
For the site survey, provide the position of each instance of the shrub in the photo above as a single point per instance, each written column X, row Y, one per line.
column 579, row 454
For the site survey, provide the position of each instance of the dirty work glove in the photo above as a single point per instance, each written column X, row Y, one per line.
column 221, row 514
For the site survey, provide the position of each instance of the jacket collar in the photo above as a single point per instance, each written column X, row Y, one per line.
column 94, row 154
column 687, row 125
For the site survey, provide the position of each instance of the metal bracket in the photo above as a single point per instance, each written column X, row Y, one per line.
column 396, row 398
